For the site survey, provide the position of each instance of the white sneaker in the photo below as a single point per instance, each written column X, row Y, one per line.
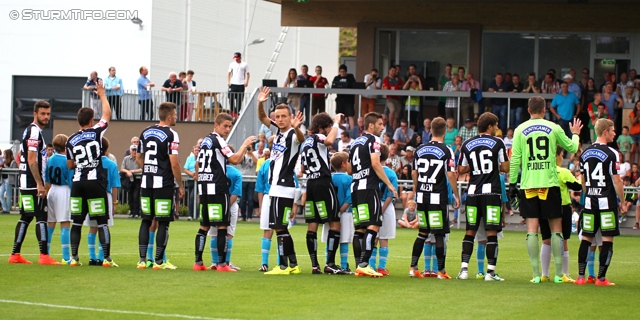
column 494, row 277
column 463, row 275
column 234, row 267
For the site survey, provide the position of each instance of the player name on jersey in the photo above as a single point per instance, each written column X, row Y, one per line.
column 540, row 143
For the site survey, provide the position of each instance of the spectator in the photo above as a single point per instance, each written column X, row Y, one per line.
column 585, row 78
column 587, row 98
column 461, row 75
column 499, row 105
column 621, row 87
column 634, row 122
column 600, row 113
column 451, row 132
column 609, row 98
column 625, row 142
column 508, row 78
column 565, row 106
column 293, row 99
column 550, row 85
column 393, row 82
column 425, row 132
column 413, row 105
column 345, row 102
column 345, row 142
column 266, row 130
column 406, row 191
column 191, row 89
column 172, row 87
column 469, row 130
column 373, row 82
column 633, row 76
column 517, row 105
column 190, row 170
column 318, row 99
column 357, row 130
column 184, row 95
column 49, row 150
column 416, row 141
column 573, row 87
column 393, row 161
column 451, row 106
column 115, row 91
column 402, row 135
column 387, row 126
column 407, row 159
column 304, row 98
column 630, row 94
column 91, row 85
column 387, row 139
column 446, row 77
column 531, row 84
column 129, row 167
column 134, row 141
column 8, row 181
column 455, row 147
column 144, row 94
column 262, row 137
column 470, row 105
column 409, row 218
column 248, row 166
column 237, row 79
column 266, row 153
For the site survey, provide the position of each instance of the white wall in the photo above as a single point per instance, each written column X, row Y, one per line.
column 70, row 48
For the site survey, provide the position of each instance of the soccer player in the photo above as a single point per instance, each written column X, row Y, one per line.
column 213, row 188
column 601, row 182
column 282, row 179
column 262, row 188
column 342, row 182
column 33, row 161
column 534, row 147
column 321, row 203
column 484, row 157
column 434, row 164
column 566, row 180
column 158, row 157
column 388, row 228
column 367, row 172
column 58, row 179
column 89, row 188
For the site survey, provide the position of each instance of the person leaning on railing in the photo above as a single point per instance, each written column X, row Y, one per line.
column 8, row 181
column 128, row 168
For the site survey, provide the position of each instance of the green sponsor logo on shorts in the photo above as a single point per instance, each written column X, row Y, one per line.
column 285, row 216
column 321, row 207
column 607, row 221
column 96, row 206
column 214, row 210
column 422, row 219
column 308, row 209
column 493, row 215
column 200, row 211
column 435, row 219
column 363, row 212
column 27, row 202
column 587, row 222
column 472, row 215
column 75, row 205
column 145, row 205
column 163, row 207
column 356, row 219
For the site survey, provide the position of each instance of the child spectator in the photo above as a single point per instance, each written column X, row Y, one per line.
column 406, row 192
column 629, row 196
column 634, row 173
column 625, row 143
column 409, row 218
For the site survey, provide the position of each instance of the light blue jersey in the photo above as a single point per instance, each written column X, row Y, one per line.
column 113, row 177
column 57, row 172
column 504, row 190
column 342, row 182
column 393, row 178
column 262, row 179
column 235, row 181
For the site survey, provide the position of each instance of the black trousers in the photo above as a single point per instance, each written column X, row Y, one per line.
column 146, row 109
column 236, row 93
column 116, row 105
column 134, row 198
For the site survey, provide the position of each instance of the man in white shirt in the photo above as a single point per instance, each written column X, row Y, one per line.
column 237, row 80
column 345, row 142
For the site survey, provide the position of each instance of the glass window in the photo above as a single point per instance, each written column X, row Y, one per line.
column 507, row 52
column 563, row 52
column 606, row 44
column 386, row 51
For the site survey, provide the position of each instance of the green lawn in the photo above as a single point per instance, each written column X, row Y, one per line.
column 249, row 294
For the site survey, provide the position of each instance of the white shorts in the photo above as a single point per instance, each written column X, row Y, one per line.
column 297, row 197
column 432, row 239
column 93, row 223
column 264, row 212
column 596, row 241
column 58, row 204
column 346, row 228
column 233, row 220
column 388, row 228
column 481, row 234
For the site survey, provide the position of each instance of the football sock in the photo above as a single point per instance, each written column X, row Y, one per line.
column 91, row 241
column 583, row 256
column 372, row 259
column 545, row 259
column 357, row 246
column 440, row 253
column 105, row 238
column 229, row 247
column 100, row 252
column 415, row 253
column 480, row 254
column 164, row 256
column 21, row 230
column 76, row 234
column 64, row 240
column 213, row 247
column 152, row 242
column 384, row 253
column 565, row 262
column 534, row 253
column 344, row 255
column 434, row 258
column 49, row 237
column 143, row 239
column 333, row 239
column 591, row 263
column 286, row 249
column 41, row 234
column 557, row 247
column 427, row 256
column 492, row 254
column 222, row 247
column 201, row 238
column 605, row 259
column 369, row 242
column 312, row 247
column 266, row 247
column 467, row 250
column 162, row 239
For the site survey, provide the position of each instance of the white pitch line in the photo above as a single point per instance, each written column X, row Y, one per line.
column 48, row 305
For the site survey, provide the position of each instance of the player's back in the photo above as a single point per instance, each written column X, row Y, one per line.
column 360, row 158
column 432, row 161
column 85, row 148
column 342, row 183
column 235, row 181
column 314, row 155
column 483, row 154
column 57, row 172
column 156, row 144
column 598, row 164
column 534, row 147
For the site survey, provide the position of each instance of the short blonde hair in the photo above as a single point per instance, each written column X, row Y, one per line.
column 602, row 125
column 411, row 202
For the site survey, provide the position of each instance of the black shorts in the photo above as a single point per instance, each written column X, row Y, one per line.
column 89, row 197
column 279, row 213
column 484, row 209
column 594, row 218
column 214, row 210
column 545, row 229
column 31, row 205
column 433, row 218
column 157, row 204
column 321, row 204
column 367, row 208
column 549, row 208
column 345, row 108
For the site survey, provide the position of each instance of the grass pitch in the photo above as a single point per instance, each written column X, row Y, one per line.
column 129, row 293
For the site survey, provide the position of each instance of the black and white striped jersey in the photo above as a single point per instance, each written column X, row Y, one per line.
column 284, row 155
column 598, row 164
column 360, row 158
column 32, row 140
column 484, row 154
column 314, row 156
column 432, row 161
column 156, row 144
column 85, row 148
column 212, row 165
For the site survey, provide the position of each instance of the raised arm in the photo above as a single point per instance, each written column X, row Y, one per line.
column 331, row 137
column 262, row 115
column 106, row 109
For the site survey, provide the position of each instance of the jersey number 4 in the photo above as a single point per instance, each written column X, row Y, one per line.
column 596, row 175
column 423, row 168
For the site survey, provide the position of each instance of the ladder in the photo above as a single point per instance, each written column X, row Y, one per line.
column 276, row 52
